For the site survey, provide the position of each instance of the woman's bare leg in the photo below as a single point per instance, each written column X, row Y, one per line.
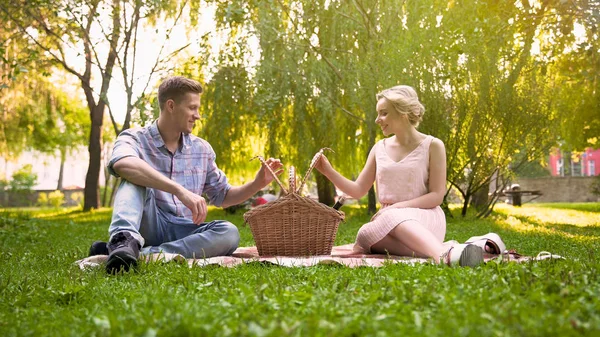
column 410, row 239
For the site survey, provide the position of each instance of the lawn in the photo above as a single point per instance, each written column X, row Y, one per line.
column 44, row 293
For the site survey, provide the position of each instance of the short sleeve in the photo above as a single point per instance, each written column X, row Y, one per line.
column 216, row 185
column 126, row 145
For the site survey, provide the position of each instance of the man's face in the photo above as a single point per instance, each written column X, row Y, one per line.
column 185, row 113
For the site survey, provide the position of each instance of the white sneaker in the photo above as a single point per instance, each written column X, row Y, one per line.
column 464, row 255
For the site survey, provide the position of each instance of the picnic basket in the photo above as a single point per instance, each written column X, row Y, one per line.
column 294, row 225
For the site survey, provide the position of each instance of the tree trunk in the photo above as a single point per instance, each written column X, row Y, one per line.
column 115, row 185
column 466, row 204
column 325, row 190
column 91, row 193
column 63, row 157
column 372, row 208
column 105, row 193
column 480, row 198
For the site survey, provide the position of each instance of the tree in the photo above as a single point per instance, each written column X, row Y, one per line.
column 474, row 64
column 575, row 74
column 39, row 116
column 60, row 27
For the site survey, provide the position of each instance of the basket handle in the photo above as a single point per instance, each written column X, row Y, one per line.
column 313, row 162
column 262, row 160
column 292, row 179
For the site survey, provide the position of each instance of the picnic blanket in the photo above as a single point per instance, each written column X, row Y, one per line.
column 340, row 255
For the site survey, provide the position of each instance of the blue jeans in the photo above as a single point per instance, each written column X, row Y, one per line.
column 135, row 211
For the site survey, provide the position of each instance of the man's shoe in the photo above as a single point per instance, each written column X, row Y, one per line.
column 464, row 255
column 124, row 251
column 98, row 248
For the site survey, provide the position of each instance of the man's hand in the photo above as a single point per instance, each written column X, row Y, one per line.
column 264, row 177
column 195, row 203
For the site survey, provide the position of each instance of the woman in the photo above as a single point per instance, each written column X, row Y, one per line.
column 410, row 170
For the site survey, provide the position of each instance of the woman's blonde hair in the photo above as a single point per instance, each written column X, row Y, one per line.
column 405, row 101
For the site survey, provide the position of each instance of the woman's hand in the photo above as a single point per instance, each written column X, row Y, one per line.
column 323, row 165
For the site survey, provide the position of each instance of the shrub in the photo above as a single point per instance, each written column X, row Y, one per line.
column 23, row 179
column 42, row 199
column 56, row 198
column 77, row 197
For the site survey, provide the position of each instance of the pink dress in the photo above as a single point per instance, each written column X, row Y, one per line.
column 400, row 181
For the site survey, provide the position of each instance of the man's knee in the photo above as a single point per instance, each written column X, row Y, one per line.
column 230, row 238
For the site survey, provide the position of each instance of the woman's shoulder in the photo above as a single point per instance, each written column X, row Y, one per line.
column 436, row 146
column 379, row 143
column 432, row 140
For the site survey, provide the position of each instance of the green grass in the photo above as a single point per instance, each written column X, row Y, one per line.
column 43, row 293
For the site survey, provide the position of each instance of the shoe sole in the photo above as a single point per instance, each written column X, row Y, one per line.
column 471, row 256
column 118, row 261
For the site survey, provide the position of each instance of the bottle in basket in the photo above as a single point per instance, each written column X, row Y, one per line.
column 339, row 202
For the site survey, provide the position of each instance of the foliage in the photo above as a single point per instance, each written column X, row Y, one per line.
column 487, row 74
column 576, row 77
column 43, row 118
column 21, row 184
column 545, row 298
column 23, row 179
column 77, row 197
column 56, row 198
column 42, row 200
column 103, row 34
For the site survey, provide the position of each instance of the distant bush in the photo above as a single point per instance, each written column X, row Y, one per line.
column 23, row 179
column 42, row 200
column 77, row 197
column 56, row 198
column 21, row 184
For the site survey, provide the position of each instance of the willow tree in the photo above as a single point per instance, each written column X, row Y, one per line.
column 576, row 74
column 17, row 61
column 503, row 98
column 473, row 63
column 103, row 34
column 316, row 82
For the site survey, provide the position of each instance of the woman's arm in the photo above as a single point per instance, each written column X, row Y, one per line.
column 355, row 189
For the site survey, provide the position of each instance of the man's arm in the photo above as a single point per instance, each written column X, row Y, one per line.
column 239, row 194
column 138, row 172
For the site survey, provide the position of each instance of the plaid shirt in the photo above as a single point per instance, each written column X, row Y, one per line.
column 192, row 166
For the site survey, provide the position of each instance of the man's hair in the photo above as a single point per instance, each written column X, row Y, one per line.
column 175, row 88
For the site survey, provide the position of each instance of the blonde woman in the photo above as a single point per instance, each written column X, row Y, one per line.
column 409, row 169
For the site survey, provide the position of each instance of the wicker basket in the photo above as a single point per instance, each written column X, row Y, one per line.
column 294, row 225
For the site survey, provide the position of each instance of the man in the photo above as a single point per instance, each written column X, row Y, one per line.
column 165, row 171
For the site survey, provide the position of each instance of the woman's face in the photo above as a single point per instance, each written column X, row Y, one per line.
column 388, row 118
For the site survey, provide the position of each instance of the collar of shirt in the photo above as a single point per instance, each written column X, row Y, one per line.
column 184, row 148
